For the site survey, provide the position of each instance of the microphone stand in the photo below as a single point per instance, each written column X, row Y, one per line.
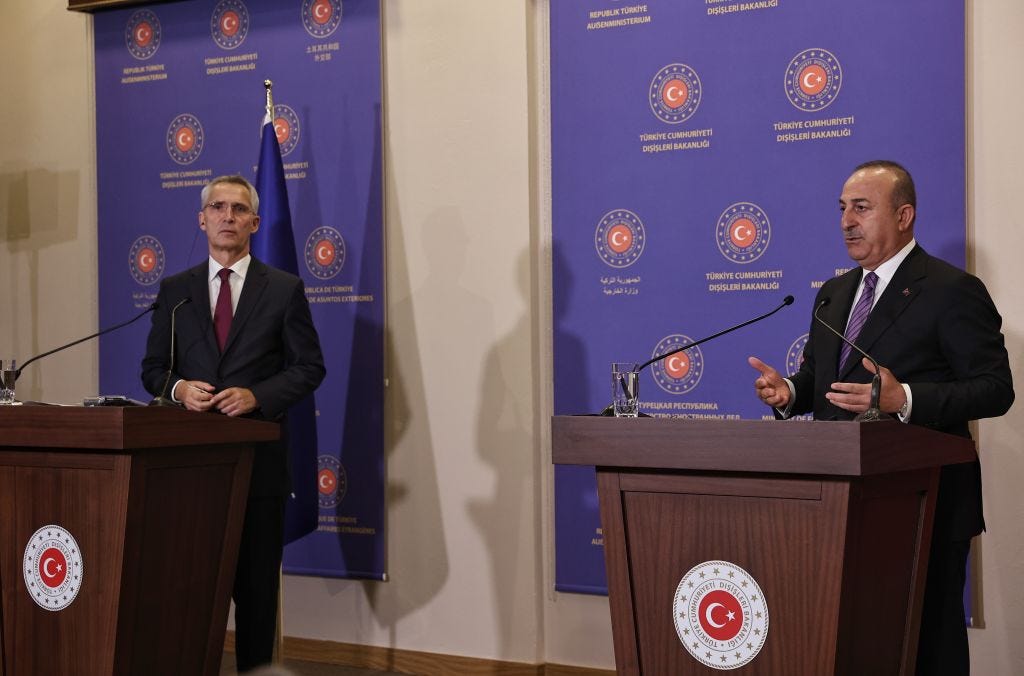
column 873, row 413
column 17, row 374
column 788, row 300
column 161, row 399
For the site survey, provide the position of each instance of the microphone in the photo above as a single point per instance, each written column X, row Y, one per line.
column 17, row 374
column 162, row 399
column 788, row 300
column 873, row 413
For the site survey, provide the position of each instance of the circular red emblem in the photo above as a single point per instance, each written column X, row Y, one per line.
column 283, row 129
column 677, row 366
column 229, row 23
column 185, row 139
column 331, row 481
column 52, row 568
column 321, row 17
column 322, row 11
column 146, row 260
column 620, row 238
column 327, row 481
column 142, row 34
column 743, row 232
column 324, row 252
column 813, row 79
column 720, row 615
column 675, row 93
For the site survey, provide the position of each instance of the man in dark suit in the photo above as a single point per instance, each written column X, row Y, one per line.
column 245, row 346
column 938, row 331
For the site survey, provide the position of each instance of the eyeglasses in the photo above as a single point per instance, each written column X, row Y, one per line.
column 222, row 208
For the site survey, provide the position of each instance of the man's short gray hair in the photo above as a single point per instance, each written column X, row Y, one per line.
column 234, row 179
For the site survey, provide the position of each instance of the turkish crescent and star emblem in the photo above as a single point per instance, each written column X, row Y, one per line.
column 146, row 260
column 620, row 238
column 720, row 615
column 332, row 482
column 813, row 79
column 675, row 93
column 325, row 252
column 229, row 23
column 743, row 232
column 321, row 17
column 286, row 128
column 142, row 34
column 185, row 138
column 53, row 568
column 680, row 372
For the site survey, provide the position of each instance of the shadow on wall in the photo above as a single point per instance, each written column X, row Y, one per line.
column 38, row 210
column 418, row 560
column 508, row 443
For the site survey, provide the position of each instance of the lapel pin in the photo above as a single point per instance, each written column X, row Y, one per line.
column 906, row 292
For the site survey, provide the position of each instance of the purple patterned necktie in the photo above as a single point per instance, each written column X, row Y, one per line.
column 859, row 316
column 222, row 312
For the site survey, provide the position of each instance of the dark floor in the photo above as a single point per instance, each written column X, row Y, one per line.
column 299, row 668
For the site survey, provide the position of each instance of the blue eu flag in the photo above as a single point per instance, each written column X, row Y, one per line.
column 274, row 244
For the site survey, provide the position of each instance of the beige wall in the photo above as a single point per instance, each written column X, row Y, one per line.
column 469, row 335
column 996, row 223
column 47, row 196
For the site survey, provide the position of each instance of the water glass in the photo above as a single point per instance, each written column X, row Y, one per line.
column 7, row 375
column 625, row 390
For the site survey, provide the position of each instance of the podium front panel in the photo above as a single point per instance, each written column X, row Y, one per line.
column 83, row 494
column 833, row 559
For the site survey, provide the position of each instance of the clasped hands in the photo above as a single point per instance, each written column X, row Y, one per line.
column 197, row 395
column 772, row 389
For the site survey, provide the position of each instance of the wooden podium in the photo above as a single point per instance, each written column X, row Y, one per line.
column 832, row 520
column 154, row 499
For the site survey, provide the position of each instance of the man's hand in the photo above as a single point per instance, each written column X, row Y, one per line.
column 235, row 401
column 856, row 397
column 770, row 386
column 194, row 394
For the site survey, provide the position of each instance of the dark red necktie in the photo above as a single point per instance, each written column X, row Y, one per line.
column 222, row 313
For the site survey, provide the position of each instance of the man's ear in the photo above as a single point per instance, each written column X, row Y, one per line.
column 905, row 214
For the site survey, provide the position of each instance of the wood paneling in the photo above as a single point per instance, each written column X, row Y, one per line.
column 831, row 519
column 157, row 526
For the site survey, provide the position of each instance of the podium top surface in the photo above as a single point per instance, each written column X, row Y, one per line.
column 124, row 428
column 839, row 448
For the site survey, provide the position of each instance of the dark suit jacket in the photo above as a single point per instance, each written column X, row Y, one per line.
column 272, row 349
column 936, row 328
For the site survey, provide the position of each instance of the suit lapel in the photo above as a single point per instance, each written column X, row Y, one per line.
column 199, row 292
column 900, row 292
column 255, row 284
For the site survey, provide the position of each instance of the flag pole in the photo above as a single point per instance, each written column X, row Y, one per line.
column 268, row 85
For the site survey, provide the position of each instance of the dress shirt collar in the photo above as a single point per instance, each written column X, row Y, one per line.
column 240, row 268
column 886, row 271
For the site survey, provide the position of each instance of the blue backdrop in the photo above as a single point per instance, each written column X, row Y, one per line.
column 698, row 152
column 179, row 100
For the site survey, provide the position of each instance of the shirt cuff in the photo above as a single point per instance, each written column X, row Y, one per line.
column 174, row 388
column 904, row 413
column 785, row 412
